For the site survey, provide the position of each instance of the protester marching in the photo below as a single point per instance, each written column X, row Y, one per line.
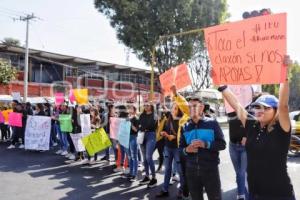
column 183, row 131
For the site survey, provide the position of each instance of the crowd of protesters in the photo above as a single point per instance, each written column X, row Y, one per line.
column 188, row 140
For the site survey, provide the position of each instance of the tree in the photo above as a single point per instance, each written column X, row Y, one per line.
column 7, row 73
column 11, row 42
column 140, row 23
column 294, row 82
column 294, row 100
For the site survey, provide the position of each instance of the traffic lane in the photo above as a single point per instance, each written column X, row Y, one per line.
column 29, row 174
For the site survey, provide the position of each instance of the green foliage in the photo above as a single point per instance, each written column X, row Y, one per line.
column 11, row 42
column 294, row 83
column 294, row 79
column 272, row 89
column 140, row 23
column 7, row 73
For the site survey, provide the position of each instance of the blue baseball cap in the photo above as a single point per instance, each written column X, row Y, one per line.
column 267, row 100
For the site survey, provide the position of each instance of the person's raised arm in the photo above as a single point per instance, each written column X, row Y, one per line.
column 180, row 101
column 283, row 104
column 234, row 103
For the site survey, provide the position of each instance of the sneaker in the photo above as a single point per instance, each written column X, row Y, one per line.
column 54, row 144
column 118, row 169
column 68, row 155
column 64, row 153
column 127, row 170
column 103, row 158
column 11, row 146
column 58, row 152
column 125, row 176
column 152, row 183
column 106, row 163
column 240, row 197
column 175, row 178
column 21, row 146
column 91, row 162
column 72, row 157
column 145, row 181
column 162, row 194
column 132, row 179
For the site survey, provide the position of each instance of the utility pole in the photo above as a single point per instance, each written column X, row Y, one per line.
column 27, row 18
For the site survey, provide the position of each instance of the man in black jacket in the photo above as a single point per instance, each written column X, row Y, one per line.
column 200, row 143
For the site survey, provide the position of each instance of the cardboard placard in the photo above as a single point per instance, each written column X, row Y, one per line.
column 249, row 51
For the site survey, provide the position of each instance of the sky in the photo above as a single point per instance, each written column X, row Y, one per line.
column 76, row 28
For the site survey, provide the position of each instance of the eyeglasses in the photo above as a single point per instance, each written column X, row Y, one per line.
column 261, row 107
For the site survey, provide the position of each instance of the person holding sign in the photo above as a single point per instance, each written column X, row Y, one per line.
column 268, row 140
column 64, row 112
column 133, row 146
column 148, row 125
column 18, row 132
column 200, row 142
column 95, row 124
column 5, row 130
column 175, row 119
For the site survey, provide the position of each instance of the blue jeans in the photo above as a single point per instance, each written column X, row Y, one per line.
column 133, row 155
column 172, row 156
column 63, row 138
column 148, row 148
column 53, row 135
column 239, row 160
column 124, row 152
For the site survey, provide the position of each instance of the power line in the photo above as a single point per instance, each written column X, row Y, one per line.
column 7, row 15
column 13, row 11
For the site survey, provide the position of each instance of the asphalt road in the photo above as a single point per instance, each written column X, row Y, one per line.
column 28, row 175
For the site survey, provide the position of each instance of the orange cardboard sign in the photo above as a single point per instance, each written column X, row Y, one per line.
column 5, row 114
column 182, row 76
column 81, row 96
column 249, row 51
column 167, row 80
column 178, row 76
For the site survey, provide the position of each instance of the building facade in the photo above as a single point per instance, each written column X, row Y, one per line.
column 52, row 72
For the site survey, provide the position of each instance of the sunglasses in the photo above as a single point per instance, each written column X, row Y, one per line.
column 261, row 107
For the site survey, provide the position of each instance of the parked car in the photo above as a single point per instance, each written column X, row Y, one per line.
column 295, row 125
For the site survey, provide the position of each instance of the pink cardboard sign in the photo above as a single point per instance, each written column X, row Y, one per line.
column 59, row 98
column 114, row 127
column 244, row 94
column 15, row 119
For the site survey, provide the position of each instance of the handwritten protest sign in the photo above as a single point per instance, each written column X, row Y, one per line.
column 167, row 80
column 182, row 76
column 81, row 96
column 16, row 96
column 15, row 119
column 249, row 51
column 65, row 123
column 1, row 118
column 124, row 133
column 59, row 98
column 178, row 76
column 37, row 132
column 96, row 141
column 85, row 122
column 5, row 114
column 114, row 127
column 76, row 138
column 243, row 93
